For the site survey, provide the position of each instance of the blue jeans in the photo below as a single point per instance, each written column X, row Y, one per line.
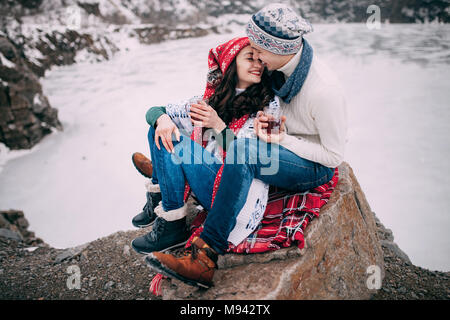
column 271, row 163
column 246, row 159
column 171, row 171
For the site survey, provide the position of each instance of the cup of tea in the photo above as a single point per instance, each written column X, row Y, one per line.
column 195, row 100
column 274, row 122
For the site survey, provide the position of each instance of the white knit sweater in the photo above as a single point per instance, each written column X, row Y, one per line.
column 316, row 118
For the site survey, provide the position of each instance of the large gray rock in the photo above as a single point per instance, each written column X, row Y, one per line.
column 70, row 253
column 9, row 234
column 15, row 226
column 341, row 244
column 25, row 113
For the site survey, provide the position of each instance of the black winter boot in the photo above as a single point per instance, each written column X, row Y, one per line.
column 147, row 217
column 165, row 235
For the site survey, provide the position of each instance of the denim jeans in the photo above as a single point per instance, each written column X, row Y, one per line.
column 171, row 171
column 246, row 159
column 271, row 163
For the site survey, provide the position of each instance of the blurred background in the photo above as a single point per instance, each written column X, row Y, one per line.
column 78, row 76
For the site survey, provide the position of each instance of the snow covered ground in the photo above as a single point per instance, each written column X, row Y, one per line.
column 79, row 184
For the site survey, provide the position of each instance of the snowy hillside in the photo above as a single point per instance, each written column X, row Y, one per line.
column 194, row 11
column 39, row 34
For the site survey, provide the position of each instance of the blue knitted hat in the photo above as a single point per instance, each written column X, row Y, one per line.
column 278, row 28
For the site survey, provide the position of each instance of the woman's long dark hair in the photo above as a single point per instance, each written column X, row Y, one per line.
column 253, row 99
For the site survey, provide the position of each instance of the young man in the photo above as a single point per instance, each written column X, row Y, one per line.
column 309, row 145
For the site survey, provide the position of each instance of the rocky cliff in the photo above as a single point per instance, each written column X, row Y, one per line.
column 176, row 11
column 37, row 35
column 341, row 246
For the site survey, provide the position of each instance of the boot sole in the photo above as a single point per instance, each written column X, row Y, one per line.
column 139, row 170
column 156, row 265
column 142, row 226
column 163, row 250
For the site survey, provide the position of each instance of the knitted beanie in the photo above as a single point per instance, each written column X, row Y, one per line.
column 278, row 28
column 219, row 59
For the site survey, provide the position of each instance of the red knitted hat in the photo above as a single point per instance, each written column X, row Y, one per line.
column 219, row 59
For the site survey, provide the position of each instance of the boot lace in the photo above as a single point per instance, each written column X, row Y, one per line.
column 158, row 229
column 147, row 204
column 193, row 250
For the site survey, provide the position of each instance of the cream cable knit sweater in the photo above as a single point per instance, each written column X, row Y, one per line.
column 316, row 118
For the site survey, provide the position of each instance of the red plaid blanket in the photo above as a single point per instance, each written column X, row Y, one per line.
column 285, row 219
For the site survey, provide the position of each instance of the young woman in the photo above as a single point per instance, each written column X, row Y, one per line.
column 237, row 85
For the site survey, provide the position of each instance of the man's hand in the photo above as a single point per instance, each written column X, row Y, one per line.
column 164, row 129
column 203, row 115
column 260, row 125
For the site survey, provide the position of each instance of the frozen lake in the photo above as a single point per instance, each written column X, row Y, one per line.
column 79, row 184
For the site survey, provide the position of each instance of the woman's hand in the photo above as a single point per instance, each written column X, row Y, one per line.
column 260, row 125
column 164, row 129
column 204, row 115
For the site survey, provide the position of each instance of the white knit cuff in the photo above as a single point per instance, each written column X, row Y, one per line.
column 171, row 215
column 154, row 188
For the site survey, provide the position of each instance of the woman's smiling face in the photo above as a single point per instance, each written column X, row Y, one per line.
column 249, row 71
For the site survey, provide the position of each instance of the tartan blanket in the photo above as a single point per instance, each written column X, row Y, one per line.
column 286, row 217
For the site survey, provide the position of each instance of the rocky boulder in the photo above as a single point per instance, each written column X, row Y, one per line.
column 14, row 226
column 341, row 251
column 25, row 113
column 340, row 245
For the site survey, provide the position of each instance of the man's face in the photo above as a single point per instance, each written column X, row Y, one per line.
column 271, row 60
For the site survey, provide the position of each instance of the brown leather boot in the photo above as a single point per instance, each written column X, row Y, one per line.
column 142, row 164
column 195, row 268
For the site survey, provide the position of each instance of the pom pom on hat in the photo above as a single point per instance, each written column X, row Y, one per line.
column 278, row 28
